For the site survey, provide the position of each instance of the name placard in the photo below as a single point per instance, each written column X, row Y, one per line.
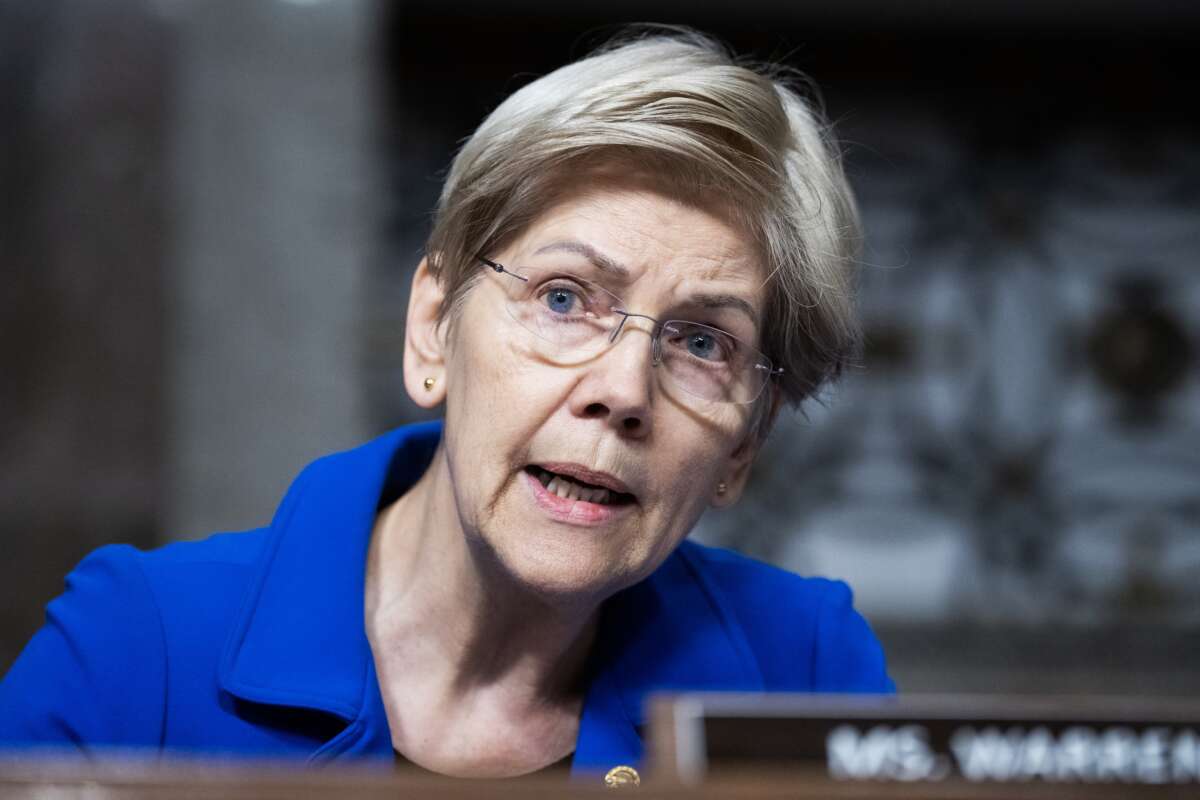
column 994, row 739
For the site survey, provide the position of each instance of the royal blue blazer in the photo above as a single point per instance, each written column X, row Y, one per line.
column 252, row 644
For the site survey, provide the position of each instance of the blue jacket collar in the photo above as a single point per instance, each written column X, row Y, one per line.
column 299, row 639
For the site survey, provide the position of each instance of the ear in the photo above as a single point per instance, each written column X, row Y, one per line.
column 742, row 458
column 425, row 340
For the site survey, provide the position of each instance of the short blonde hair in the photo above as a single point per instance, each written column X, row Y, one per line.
column 681, row 105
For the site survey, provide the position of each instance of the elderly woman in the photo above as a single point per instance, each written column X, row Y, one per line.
column 635, row 261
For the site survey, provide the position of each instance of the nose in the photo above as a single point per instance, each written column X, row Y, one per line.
column 618, row 385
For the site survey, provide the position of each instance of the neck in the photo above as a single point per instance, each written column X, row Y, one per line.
column 439, row 605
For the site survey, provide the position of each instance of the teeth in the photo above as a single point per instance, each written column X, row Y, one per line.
column 594, row 495
column 570, row 490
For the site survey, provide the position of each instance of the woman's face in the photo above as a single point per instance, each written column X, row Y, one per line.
column 514, row 417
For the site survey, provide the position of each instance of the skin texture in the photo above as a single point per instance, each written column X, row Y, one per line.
column 481, row 605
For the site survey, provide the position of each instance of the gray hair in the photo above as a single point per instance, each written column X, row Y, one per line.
column 710, row 126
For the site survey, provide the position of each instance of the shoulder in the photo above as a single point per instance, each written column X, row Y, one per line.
column 804, row 631
column 125, row 577
column 193, row 591
column 222, row 557
column 181, row 583
column 127, row 624
column 233, row 549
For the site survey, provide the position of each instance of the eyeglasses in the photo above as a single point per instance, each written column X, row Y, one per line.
column 573, row 319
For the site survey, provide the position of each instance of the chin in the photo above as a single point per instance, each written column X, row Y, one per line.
column 562, row 571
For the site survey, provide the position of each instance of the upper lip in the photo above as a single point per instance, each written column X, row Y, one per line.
column 582, row 473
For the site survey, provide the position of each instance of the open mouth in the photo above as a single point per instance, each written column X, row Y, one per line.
column 575, row 489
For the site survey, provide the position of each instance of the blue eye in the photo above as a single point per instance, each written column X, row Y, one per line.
column 703, row 345
column 700, row 342
column 560, row 300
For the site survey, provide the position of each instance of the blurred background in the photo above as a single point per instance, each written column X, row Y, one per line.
column 211, row 211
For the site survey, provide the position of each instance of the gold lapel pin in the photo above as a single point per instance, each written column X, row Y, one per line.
column 622, row 776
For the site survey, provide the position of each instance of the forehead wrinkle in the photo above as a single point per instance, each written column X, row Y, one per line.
column 722, row 277
column 601, row 261
column 727, row 282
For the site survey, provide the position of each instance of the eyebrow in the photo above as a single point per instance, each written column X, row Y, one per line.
column 705, row 300
column 598, row 259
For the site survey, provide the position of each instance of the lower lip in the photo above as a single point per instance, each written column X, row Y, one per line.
column 578, row 512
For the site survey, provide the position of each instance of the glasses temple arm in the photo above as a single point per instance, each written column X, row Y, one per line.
column 500, row 268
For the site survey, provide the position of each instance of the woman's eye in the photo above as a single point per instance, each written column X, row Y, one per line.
column 561, row 301
column 701, row 343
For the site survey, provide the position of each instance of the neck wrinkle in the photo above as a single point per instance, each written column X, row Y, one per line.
column 437, row 601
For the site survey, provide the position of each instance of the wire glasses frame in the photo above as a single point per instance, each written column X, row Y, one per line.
column 576, row 315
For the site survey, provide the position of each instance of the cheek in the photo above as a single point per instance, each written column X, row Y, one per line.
column 688, row 476
column 494, row 390
column 496, row 400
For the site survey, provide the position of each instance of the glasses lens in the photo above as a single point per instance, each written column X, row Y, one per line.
column 711, row 364
column 568, row 314
column 571, row 317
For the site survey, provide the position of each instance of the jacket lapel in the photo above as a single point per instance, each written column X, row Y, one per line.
column 668, row 633
column 299, row 638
